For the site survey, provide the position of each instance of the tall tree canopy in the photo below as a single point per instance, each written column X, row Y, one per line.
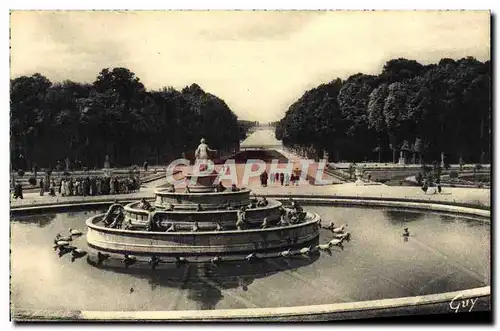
column 114, row 116
column 422, row 110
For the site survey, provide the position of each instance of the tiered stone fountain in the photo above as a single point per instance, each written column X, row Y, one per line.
column 204, row 220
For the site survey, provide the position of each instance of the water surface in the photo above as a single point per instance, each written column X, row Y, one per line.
column 443, row 253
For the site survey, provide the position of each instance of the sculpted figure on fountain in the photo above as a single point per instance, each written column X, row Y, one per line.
column 203, row 150
column 201, row 154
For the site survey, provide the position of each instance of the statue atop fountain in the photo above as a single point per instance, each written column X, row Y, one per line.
column 198, row 180
column 203, row 150
column 202, row 155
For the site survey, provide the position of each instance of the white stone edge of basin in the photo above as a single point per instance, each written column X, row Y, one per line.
column 233, row 314
column 415, row 205
column 390, row 202
column 165, row 193
column 359, row 200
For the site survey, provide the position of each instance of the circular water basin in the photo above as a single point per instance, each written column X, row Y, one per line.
column 444, row 253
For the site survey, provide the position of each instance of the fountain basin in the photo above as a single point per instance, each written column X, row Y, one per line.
column 233, row 244
column 201, row 183
column 205, row 218
column 208, row 200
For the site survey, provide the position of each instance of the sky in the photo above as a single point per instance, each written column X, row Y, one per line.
column 259, row 62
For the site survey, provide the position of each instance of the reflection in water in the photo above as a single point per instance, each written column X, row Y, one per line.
column 447, row 218
column 207, row 295
column 472, row 223
column 73, row 214
column 206, row 281
column 469, row 222
column 41, row 220
column 398, row 217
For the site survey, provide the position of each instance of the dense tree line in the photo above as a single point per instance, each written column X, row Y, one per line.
column 245, row 126
column 421, row 110
column 114, row 116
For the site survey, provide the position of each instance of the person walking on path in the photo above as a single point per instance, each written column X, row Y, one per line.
column 18, row 191
column 42, row 188
column 52, row 189
column 263, row 178
column 282, row 178
column 66, row 188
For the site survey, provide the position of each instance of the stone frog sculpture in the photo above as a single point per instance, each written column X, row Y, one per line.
column 112, row 211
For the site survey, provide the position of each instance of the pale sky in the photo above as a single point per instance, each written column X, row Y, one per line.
column 258, row 62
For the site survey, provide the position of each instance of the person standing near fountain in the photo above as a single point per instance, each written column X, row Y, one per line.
column 52, row 188
column 287, row 179
column 263, row 178
column 42, row 187
column 18, row 191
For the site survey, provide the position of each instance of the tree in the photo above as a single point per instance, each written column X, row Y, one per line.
column 115, row 115
column 394, row 102
column 398, row 70
column 376, row 116
column 430, row 105
column 315, row 122
column 28, row 109
column 353, row 99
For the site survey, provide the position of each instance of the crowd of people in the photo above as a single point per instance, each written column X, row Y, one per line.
column 283, row 178
column 91, row 186
column 88, row 186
